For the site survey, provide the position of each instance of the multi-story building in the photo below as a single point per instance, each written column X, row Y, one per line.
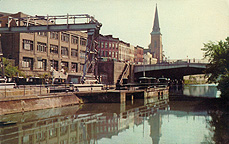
column 108, row 47
column 123, row 46
column 114, row 49
column 41, row 52
column 130, row 53
column 138, row 55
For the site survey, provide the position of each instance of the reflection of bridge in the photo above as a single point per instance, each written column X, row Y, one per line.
column 170, row 70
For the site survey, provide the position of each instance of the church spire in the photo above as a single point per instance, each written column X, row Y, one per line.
column 156, row 28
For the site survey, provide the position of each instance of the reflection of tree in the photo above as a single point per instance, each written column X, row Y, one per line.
column 219, row 126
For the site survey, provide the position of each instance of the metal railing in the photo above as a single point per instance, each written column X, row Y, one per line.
column 34, row 90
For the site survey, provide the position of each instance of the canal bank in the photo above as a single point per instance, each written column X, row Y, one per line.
column 46, row 100
column 29, row 103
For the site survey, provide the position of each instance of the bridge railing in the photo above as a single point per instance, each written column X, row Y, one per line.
column 180, row 61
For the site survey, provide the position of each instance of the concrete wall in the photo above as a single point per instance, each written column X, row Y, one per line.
column 29, row 104
column 111, row 71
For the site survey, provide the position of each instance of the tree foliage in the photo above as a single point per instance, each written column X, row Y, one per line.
column 9, row 69
column 218, row 68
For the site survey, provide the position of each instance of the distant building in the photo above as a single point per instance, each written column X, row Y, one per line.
column 148, row 59
column 138, row 55
column 123, row 46
column 108, row 47
column 155, row 47
column 40, row 53
column 113, row 49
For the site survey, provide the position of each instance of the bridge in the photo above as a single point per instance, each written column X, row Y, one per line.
column 173, row 70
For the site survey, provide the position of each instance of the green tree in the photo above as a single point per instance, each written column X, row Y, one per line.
column 218, row 68
column 9, row 69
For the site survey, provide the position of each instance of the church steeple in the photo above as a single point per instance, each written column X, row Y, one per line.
column 156, row 39
column 156, row 27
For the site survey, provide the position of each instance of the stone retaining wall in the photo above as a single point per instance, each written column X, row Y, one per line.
column 10, row 105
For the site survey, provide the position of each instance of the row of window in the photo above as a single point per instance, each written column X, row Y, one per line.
column 108, row 45
column 42, row 47
column 66, row 37
column 42, row 64
column 109, row 54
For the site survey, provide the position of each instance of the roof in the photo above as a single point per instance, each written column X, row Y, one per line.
column 4, row 14
column 156, row 27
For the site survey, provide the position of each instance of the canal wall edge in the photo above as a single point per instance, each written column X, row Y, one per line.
column 35, row 103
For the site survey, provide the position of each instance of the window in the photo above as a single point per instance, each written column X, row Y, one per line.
column 63, row 130
column 105, row 44
column 41, row 47
column 42, row 33
column 52, row 132
column 83, row 41
column 64, row 51
column 53, row 49
column 106, row 54
column 40, row 136
column 54, row 64
column 27, row 62
column 109, row 54
column 74, row 52
column 65, row 37
column 74, row 39
column 41, row 64
column 102, row 46
column 54, row 35
column 82, row 54
column 113, row 54
column 64, row 64
column 74, row 67
column 110, row 45
column 27, row 45
column 101, row 54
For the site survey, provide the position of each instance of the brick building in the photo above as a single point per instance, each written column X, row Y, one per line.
column 111, row 48
column 42, row 52
column 138, row 55
column 108, row 47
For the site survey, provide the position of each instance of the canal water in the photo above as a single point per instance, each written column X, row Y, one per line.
column 136, row 122
column 202, row 90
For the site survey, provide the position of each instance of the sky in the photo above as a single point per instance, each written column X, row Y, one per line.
column 185, row 24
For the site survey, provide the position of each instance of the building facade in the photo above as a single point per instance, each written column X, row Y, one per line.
column 123, row 46
column 108, row 47
column 113, row 49
column 138, row 55
column 156, row 40
column 40, row 53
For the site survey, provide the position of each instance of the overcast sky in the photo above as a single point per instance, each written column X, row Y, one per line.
column 185, row 24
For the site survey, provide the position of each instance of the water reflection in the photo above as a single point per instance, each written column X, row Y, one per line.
column 199, row 90
column 136, row 122
column 204, row 90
